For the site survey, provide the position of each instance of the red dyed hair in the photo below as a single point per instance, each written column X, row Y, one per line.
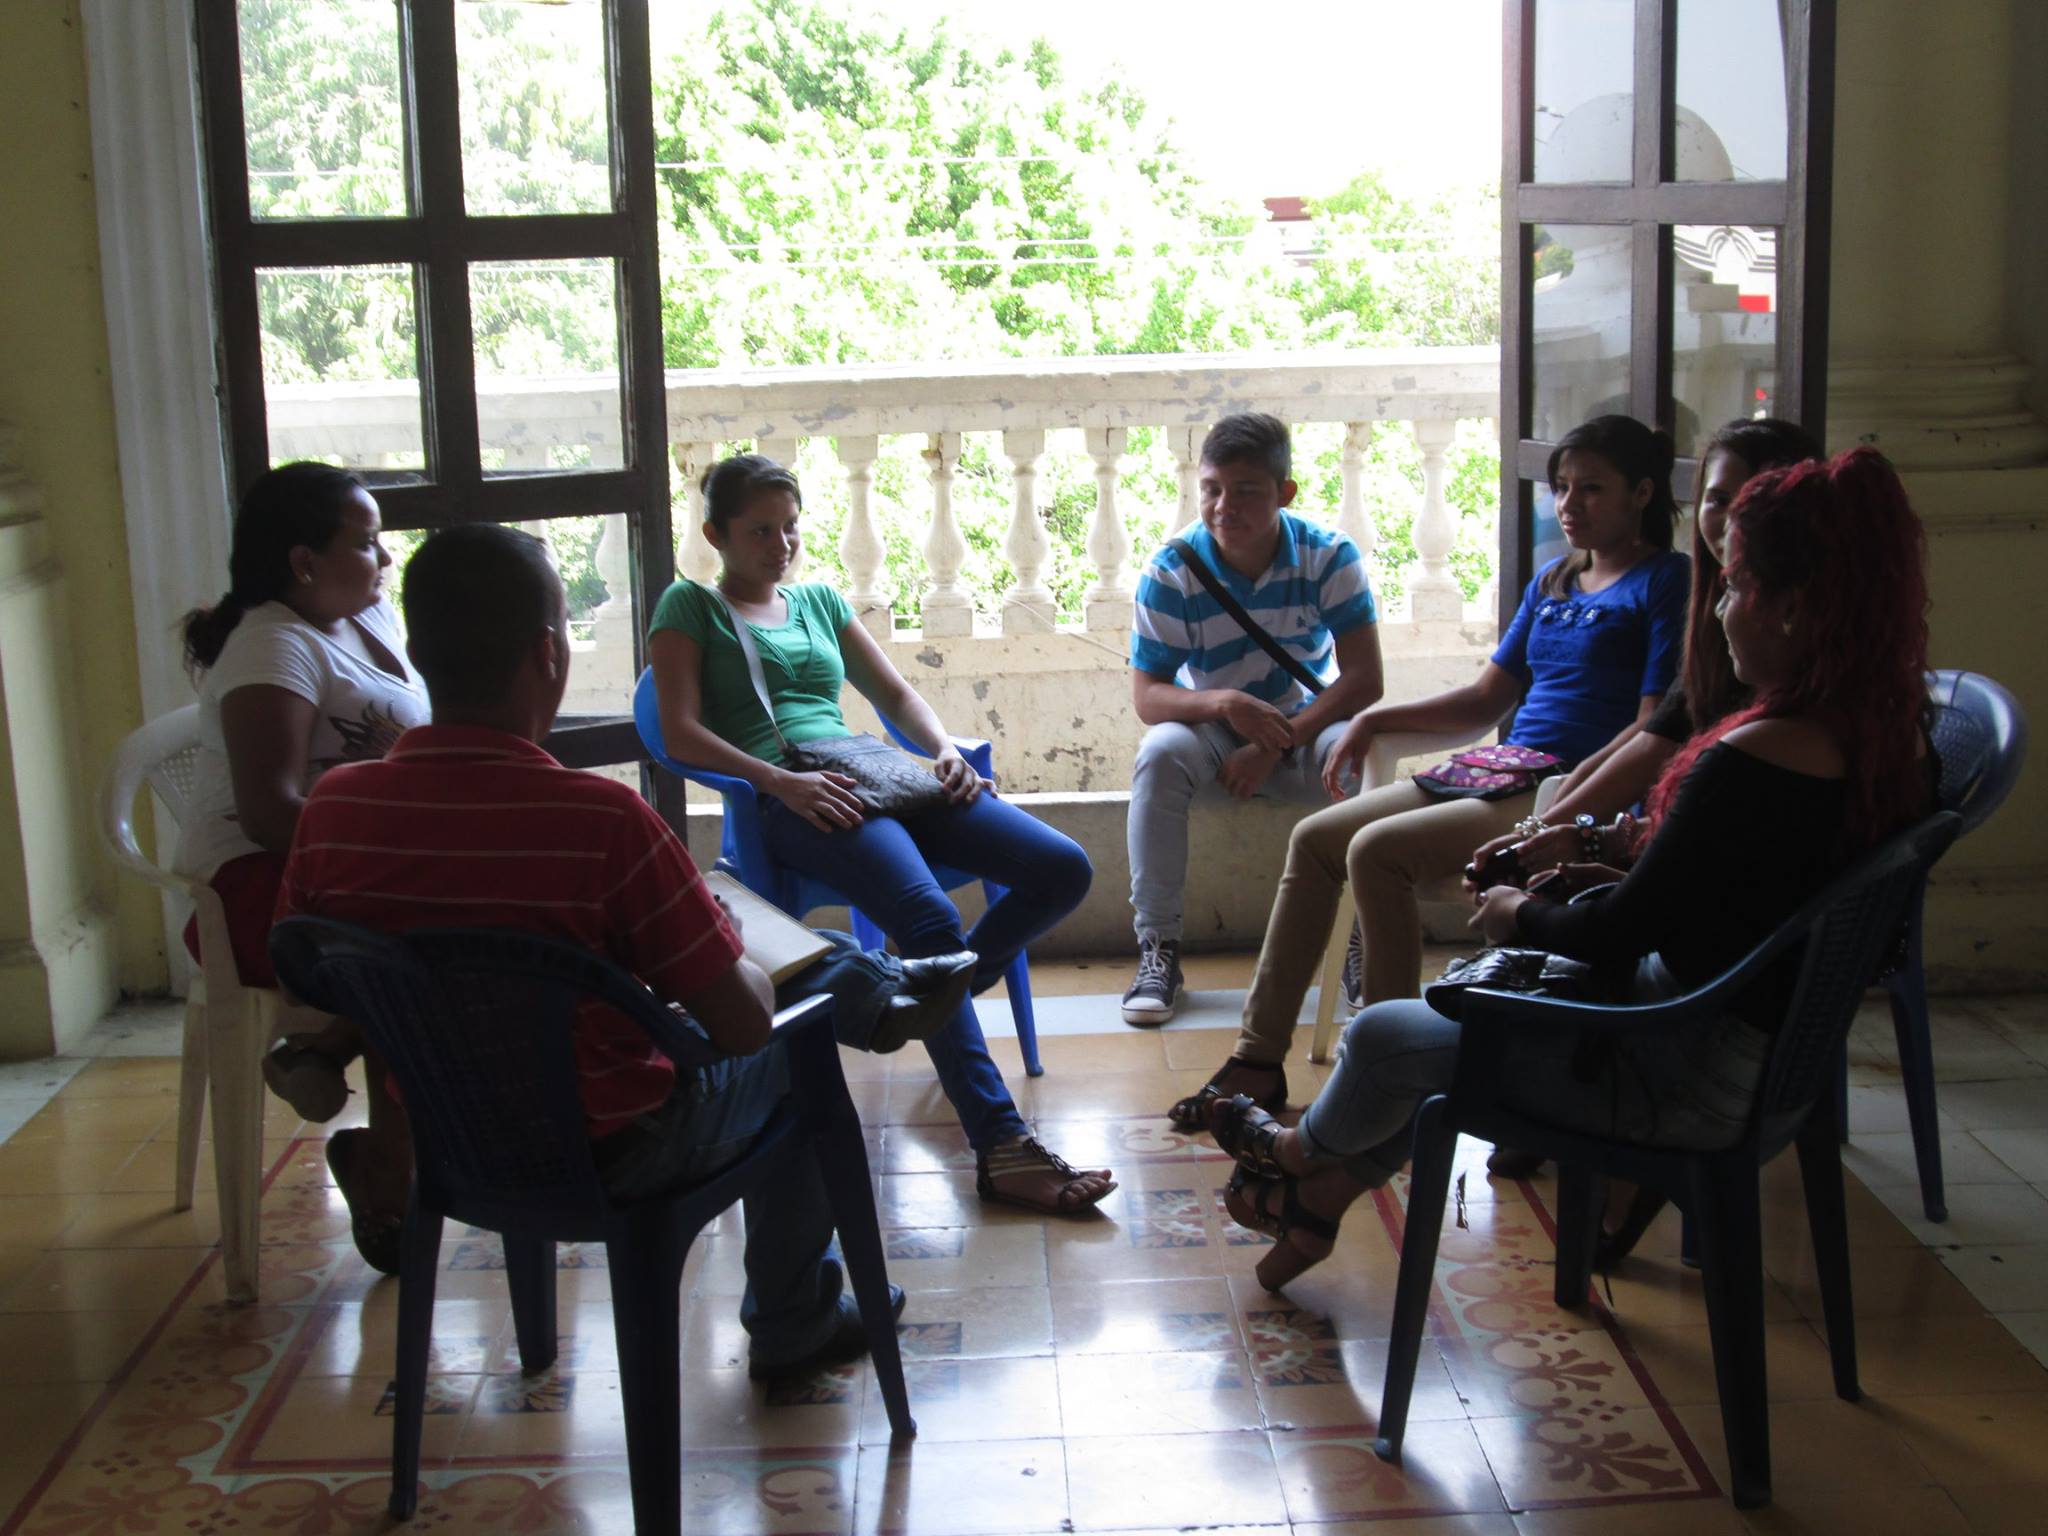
column 1844, row 536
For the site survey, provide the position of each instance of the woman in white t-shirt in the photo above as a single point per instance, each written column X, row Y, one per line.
column 299, row 666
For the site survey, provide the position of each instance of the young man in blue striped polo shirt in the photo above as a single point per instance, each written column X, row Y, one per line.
column 1227, row 719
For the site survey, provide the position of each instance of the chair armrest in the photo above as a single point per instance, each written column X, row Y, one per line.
column 974, row 749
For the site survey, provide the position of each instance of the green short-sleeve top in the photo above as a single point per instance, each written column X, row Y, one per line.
column 800, row 658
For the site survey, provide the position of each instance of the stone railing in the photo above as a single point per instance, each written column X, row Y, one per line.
column 992, row 677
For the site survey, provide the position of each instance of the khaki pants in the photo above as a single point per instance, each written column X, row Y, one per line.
column 1385, row 842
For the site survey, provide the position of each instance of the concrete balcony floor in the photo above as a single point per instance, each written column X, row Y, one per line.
column 1122, row 1372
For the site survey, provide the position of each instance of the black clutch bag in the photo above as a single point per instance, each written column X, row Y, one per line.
column 1509, row 970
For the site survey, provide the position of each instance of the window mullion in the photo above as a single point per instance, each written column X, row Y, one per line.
column 448, row 371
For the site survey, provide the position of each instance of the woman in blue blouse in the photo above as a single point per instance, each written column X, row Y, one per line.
column 1594, row 645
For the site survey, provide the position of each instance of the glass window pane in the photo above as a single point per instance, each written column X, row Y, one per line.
column 341, row 366
column 320, row 107
column 1579, row 325
column 1731, row 91
column 547, row 365
column 1546, row 536
column 1584, row 125
column 535, row 135
column 1724, row 328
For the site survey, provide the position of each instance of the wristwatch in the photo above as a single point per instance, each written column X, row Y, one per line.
column 1589, row 835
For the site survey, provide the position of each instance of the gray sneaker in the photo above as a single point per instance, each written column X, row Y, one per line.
column 1354, row 971
column 1155, row 991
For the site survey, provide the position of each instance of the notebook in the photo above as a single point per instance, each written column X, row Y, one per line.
column 775, row 941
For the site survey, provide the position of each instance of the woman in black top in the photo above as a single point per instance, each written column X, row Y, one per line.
column 1824, row 612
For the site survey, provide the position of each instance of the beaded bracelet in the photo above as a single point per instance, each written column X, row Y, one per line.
column 1530, row 826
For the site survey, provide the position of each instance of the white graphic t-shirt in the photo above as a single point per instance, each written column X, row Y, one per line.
column 360, row 710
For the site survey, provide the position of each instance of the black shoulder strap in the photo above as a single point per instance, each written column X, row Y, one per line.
column 1213, row 585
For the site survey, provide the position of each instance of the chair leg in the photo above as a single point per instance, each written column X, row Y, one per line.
column 191, row 1095
column 234, row 1069
column 1333, row 981
column 530, row 1274
column 1827, row 1216
column 1728, row 1209
column 1018, row 981
column 1580, row 1200
column 647, row 1270
column 1842, row 1094
column 420, row 1252
column 1436, row 1145
column 843, row 1160
column 1911, row 1029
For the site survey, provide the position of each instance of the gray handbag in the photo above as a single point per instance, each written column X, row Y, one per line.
column 887, row 780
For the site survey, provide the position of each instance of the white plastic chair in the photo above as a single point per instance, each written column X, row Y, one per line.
column 1379, row 769
column 227, row 1026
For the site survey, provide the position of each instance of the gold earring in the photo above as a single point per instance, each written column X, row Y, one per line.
column 1787, row 626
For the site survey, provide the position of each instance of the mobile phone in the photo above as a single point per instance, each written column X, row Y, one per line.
column 1548, row 883
column 1501, row 868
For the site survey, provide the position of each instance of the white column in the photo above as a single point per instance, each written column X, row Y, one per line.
column 601, row 678
column 1352, row 518
column 1185, row 444
column 860, row 543
column 1027, row 606
column 1108, row 605
column 1921, row 356
column 948, row 606
column 696, row 558
column 1433, row 592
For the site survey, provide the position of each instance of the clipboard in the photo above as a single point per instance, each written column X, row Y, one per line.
column 774, row 940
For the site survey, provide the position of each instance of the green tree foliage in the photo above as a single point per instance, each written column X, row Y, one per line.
column 839, row 190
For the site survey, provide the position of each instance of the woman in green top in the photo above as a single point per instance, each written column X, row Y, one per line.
column 810, row 645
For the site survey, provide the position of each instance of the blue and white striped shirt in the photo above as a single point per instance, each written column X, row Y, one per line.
column 1314, row 591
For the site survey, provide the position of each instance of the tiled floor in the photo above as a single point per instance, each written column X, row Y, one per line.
column 1118, row 1373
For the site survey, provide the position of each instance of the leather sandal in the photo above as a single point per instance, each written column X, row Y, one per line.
column 1192, row 1112
column 1029, row 1156
column 1292, row 1216
column 1247, row 1133
column 379, row 1239
column 1643, row 1208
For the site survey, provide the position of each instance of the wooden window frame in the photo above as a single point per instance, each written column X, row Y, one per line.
column 438, row 240
column 1797, row 206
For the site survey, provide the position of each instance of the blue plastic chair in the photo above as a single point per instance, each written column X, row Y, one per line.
column 1848, row 932
column 743, row 854
column 478, row 1026
column 1980, row 736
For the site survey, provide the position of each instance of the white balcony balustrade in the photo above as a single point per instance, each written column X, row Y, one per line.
column 1056, row 695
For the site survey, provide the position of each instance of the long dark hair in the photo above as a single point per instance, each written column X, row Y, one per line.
column 1845, row 537
column 1640, row 453
column 1711, row 687
column 291, row 505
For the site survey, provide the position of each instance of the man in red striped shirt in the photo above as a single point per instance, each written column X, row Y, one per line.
column 469, row 822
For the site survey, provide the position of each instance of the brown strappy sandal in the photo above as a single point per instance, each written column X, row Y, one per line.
column 1247, row 1133
column 1029, row 1156
column 1192, row 1112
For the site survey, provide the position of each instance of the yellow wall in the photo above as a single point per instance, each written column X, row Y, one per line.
column 53, row 387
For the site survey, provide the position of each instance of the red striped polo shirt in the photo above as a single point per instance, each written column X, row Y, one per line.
column 464, row 827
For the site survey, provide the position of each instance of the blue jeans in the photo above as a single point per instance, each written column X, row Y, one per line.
column 884, row 867
column 792, row 1303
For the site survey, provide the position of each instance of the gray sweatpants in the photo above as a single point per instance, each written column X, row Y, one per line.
column 1177, row 765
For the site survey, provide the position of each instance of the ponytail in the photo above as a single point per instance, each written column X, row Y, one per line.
column 287, row 507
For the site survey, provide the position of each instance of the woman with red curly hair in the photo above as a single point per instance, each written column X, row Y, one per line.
column 1824, row 611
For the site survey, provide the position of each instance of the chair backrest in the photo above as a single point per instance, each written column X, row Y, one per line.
column 478, row 1026
column 1980, row 735
column 1849, row 929
column 163, row 754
